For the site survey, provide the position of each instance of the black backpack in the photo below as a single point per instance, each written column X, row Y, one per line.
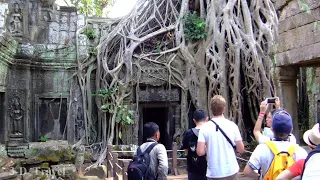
column 139, row 167
column 314, row 151
column 198, row 163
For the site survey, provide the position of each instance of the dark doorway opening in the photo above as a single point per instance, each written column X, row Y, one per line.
column 158, row 115
column 52, row 118
column 2, row 117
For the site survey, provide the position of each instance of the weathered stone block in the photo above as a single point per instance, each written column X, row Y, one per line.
column 299, row 20
column 39, row 48
column 8, row 175
column 50, row 151
column 80, row 21
column 53, row 33
column 294, row 8
column 100, row 172
column 64, row 170
column 51, row 47
column 305, row 55
column 298, row 38
column 28, row 176
column 26, row 50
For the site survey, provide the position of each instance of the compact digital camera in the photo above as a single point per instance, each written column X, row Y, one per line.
column 270, row 100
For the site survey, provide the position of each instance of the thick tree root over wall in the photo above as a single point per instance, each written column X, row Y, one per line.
column 234, row 60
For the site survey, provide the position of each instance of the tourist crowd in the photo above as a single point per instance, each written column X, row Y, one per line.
column 212, row 146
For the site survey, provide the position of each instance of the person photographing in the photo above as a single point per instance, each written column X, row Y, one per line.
column 267, row 110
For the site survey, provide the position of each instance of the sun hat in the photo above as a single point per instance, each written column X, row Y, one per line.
column 312, row 136
column 282, row 122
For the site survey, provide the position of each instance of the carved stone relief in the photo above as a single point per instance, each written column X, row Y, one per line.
column 16, row 20
column 151, row 94
column 16, row 117
column 79, row 124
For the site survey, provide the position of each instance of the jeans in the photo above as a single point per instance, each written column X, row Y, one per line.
column 193, row 176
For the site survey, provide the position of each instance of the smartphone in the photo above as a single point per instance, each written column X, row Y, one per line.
column 271, row 100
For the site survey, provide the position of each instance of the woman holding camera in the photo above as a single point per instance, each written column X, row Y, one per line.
column 267, row 133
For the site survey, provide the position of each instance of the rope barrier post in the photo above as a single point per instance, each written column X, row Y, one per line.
column 115, row 167
column 124, row 170
column 174, row 158
column 109, row 151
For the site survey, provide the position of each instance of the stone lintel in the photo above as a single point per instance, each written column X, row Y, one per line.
column 304, row 56
column 23, row 63
column 159, row 95
column 67, row 9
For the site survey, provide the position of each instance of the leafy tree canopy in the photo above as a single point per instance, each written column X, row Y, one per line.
column 90, row 7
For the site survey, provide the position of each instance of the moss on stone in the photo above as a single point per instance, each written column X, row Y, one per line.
column 54, row 155
column 86, row 155
column 44, row 165
column 116, row 148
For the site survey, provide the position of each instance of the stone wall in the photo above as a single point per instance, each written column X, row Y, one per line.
column 298, row 46
column 299, row 33
column 37, row 62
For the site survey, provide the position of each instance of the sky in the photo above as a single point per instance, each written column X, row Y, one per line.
column 120, row 8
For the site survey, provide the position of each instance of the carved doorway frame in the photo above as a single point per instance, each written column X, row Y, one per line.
column 36, row 124
column 170, row 124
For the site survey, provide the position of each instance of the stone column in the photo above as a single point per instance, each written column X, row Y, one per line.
column 289, row 96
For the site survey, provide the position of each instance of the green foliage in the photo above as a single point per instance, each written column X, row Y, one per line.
column 194, row 27
column 92, row 52
column 43, row 139
column 316, row 26
column 89, row 32
column 90, row 7
column 124, row 114
column 304, row 6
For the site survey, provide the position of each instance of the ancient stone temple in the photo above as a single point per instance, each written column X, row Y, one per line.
column 37, row 60
column 39, row 95
column 39, row 92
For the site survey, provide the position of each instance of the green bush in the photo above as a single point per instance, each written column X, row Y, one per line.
column 92, row 52
column 89, row 32
column 194, row 27
column 43, row 139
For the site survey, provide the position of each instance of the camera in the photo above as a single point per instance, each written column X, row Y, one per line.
column 270, row 100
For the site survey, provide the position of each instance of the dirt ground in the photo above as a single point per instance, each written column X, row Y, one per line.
column 185, row 177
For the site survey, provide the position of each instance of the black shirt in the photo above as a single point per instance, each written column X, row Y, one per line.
column 195, row 164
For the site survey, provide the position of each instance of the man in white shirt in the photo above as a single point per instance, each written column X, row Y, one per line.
column 221, row 137
column 262, row 156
